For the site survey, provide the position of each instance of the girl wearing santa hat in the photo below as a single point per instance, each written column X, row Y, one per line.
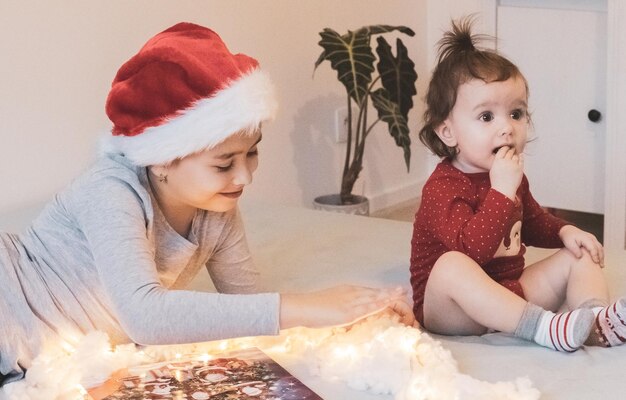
column 115, row 250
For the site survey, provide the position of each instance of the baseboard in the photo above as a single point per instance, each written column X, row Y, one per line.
column 395, row 196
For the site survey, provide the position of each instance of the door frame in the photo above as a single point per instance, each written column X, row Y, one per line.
column 439, row 15
column 615, row 174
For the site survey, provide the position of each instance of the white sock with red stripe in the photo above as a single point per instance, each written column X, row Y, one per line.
column 562, row 332
column 610, row 323
column 565, row 331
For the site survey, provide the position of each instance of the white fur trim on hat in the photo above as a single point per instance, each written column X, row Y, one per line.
column 241, row 106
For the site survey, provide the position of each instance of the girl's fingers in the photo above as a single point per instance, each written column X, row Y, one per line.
column 373, row 298
column 364, row 302
column 405, row 312
column 401, row 309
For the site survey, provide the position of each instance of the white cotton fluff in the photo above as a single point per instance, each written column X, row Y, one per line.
column 369, row 357
column 378, row 355
column 384, row 357
column 62, row 374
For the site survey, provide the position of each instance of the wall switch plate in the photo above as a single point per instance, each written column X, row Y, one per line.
column 341, row 123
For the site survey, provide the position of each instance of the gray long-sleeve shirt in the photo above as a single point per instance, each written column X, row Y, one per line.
column 101, row 256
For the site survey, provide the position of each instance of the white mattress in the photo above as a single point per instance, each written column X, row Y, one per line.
column 299, row 249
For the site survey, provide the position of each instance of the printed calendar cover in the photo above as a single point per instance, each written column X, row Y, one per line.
column 244, row 374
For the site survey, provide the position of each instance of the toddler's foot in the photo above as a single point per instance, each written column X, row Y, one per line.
column 610, row 325
column 567, row 331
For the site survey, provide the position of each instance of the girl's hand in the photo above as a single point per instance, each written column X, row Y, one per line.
column 576, row 239
column 507, row 171
column 341, row 305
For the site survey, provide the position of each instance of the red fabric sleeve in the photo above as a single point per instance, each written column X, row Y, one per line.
column 460, row 222
column 539, row 227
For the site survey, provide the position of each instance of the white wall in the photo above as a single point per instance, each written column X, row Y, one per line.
column 59, row 57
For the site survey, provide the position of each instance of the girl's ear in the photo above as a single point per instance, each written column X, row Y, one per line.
column 158, row 170
column 445, row 134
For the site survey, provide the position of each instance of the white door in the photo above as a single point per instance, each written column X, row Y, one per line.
column 562, row 54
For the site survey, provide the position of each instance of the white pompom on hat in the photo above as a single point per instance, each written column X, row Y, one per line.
column 184, row 92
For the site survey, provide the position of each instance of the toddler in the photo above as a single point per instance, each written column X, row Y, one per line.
column 478, row 213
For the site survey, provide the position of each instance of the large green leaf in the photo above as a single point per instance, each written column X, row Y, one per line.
column 389, row 112
column 351, row 56
column 397, row 74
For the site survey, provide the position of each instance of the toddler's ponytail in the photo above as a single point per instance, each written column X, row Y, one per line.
column 459, row 40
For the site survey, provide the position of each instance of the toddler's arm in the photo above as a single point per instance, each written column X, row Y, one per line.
column 575, row 240
column 542, row 229
column 539, row 228
column 452, row 213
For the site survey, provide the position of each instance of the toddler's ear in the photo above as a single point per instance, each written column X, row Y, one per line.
column 445, row 135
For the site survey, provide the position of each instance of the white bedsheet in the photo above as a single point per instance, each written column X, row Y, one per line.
column 299, row 249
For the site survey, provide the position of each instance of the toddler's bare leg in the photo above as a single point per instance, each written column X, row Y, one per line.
column 461, row 299
column 564, row 279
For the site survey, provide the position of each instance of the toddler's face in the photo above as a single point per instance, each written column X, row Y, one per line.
column 214, row 179
column 485, row 117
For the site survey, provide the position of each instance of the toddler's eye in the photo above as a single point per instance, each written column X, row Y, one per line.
column 518, row 114
column 253, row 153
column 486, row 117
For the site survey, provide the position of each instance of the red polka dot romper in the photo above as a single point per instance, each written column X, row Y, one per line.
column 461, row 212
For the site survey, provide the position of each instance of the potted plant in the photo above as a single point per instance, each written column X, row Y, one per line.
column 388, row 85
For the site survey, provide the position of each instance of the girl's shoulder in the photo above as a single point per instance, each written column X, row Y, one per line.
column 111, row 168
column 108, row 187
column 112, row 177
column 114, row 167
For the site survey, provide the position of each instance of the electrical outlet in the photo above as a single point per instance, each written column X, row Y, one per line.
column 341, row 124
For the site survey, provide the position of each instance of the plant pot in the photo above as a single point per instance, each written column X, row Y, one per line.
column 360, row 205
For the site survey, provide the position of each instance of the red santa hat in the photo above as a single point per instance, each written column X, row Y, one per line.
column 182, row 93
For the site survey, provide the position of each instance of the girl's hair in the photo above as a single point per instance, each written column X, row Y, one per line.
column 459, row 62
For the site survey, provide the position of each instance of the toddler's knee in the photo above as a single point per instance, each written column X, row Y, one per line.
column 585, row 258
column 584, row 261
column 453, row 263
column 452, row 257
